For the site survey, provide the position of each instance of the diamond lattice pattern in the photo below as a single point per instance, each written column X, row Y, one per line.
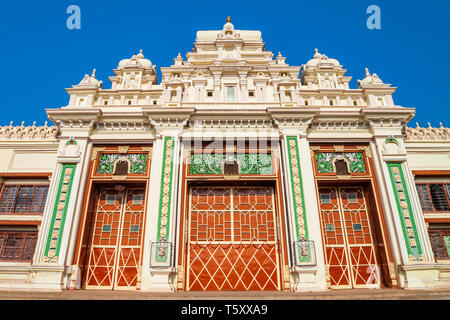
column 232, row 240
column 349, row 245
column 115, row 251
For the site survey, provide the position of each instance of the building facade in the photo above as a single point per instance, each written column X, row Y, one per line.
column 236, row 171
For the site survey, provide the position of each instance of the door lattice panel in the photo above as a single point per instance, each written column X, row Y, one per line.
column 232, row 240
column 114, row 259
column 349, row 246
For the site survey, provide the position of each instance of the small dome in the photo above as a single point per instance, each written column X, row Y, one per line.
column 228, row 27
column 321, row 59
column 90, row 81
column 136, row 61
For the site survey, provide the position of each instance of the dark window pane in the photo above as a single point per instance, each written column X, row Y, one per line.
column 24, row 198
column 17, row 245
column 424, row 197
column 8, row 198
column 17, row 199
column 437, row 243
column 39, row 198
column 439, row 197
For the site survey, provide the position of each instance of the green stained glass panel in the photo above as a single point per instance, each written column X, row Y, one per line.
column 249, row 163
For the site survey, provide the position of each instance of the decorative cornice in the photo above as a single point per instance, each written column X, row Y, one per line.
column 28, row 132
column 122, row 126
column 228, row 123
column 428, row 134
column 340, row 125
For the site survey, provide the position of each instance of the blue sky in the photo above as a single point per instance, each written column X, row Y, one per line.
column 41, row 56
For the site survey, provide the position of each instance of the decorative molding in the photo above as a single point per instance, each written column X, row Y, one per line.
column 325, row 161
column 391, row 139
column 340, row 125
column 137, row 162
column 293, row 122
column 59, row 214
column 428, row 134
column 231, row 123
column 71, row 141
column 28, row 132
column 122, row 126
column 168, row 122
column 405, row 212
column 298, row 198
column 249, row 163
column 165, row 199
column 366, row 150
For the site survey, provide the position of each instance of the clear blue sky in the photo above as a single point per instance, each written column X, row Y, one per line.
column 40, row 56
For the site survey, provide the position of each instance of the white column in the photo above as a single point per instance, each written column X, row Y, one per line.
column 53, row 245
column 308, row 276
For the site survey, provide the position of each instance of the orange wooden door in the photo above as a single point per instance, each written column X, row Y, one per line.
column 115, row 250
column 347, row 236
column 232, row 243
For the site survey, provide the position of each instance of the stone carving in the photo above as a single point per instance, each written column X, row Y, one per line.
column 59, row 213
column 422, row 134
column 165, row 199
column 90, row 81
column 405, row 212
column 297, row 191
column 391, row 145
column 28, row 132
column 71, row 148
column 371, row 80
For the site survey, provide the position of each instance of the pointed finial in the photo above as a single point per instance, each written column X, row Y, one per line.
column 228, row 19
column 93, row 73
column 429, row 125
column 10, row 124
column 317, row 54
column 367, row 72
column 417, row 125
column 441, row 126
column 23, row 123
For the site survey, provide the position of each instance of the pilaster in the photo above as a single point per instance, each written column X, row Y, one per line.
column 307, row 262
column 409, row 232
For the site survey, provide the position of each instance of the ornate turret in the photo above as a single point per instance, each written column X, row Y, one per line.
column 90, row 81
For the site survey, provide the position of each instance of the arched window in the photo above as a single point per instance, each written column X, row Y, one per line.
column 231, row 168
column 341, row 167
column 121, row 168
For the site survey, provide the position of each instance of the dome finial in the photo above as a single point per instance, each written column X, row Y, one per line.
column 317, row 55
column 228, row 19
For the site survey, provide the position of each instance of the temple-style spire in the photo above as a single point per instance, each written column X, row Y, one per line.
column 228, row 19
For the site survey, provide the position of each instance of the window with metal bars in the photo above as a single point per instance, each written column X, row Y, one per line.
column 440, row 241
column 17, row 245
column 434, row 197
column 23, row 199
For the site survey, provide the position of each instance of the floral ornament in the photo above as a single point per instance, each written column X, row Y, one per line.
column 249, row 163
column 391, row 139
column 71, row 141
column 138, row 162
column 325, row 161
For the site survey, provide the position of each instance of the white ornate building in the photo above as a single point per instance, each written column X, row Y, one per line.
column 236, row 171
